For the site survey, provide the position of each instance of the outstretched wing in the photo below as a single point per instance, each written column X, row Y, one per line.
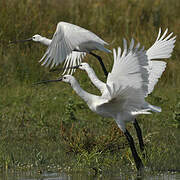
column 61, row 48
column 67, row 39
column 162, row 48
column 129, row 68
column 128, row 79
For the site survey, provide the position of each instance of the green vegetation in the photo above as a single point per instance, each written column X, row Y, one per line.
column 49, row 125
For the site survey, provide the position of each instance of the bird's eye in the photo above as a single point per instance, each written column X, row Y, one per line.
column 80, row 65
column 64, row 77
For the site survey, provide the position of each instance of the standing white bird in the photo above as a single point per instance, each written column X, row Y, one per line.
column 124, row 95
column 162, row 48
column 70, row 43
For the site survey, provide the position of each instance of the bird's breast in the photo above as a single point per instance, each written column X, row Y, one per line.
column 95, row 107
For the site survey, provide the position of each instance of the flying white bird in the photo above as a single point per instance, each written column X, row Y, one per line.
column 70, row 43
column 124, row 95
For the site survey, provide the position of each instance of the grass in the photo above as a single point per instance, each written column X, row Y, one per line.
column 50, row 126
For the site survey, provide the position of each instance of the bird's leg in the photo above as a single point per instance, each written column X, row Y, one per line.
column 101, row 62
column 139, row 135
column 138, row 162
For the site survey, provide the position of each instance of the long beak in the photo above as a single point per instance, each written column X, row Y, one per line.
column 62, row 69
column 47, row 81
column 12, row 42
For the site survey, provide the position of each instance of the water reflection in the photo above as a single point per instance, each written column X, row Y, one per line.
column 84, row 176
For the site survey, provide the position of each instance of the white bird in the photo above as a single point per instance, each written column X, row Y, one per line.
column 70, row 43
column 162, row 48
column 124, row 95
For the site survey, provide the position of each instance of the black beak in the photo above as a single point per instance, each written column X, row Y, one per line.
column 12, row 42
column 47, row 81
column 62, row 69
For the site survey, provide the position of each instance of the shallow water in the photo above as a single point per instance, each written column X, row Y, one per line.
column 84, row 176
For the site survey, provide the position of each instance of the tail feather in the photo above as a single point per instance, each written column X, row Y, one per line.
column 144, row 111
column 148, row 107
column 102, row 48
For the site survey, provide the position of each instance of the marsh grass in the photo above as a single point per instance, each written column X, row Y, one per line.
column 49, row 125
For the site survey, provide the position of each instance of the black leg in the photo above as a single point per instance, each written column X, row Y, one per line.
column 138, row 162
column 101, row 62
column 139, row 135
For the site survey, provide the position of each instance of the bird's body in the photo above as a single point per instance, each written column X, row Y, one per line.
column 101, row 104
column 69, row 38
column 69, row 44
column 162, row 48
column 123, row 95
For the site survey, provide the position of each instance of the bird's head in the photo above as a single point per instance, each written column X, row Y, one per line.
column 37, row 38
column 84, row 66
column 67, row 78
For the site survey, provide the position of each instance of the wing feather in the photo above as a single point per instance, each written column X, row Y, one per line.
column 163, row 47
column 67, row 40
column 82, row 39
column 61, row 48
column 129, row 67
column 128, row 79
column 155, row 69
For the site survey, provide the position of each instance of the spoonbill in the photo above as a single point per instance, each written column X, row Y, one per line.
column 123, row 97
column 162, row 48
column 70, row 43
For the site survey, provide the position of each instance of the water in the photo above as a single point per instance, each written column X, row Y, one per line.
column 84, row 176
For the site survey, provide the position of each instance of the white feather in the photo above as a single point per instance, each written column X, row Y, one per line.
column 71, row 43
column 155, row 69
column 163, row 47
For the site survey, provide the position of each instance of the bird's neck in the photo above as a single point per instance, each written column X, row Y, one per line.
column 91, row 74
column 87, row 97
column 45, row 41
column 94, row 79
